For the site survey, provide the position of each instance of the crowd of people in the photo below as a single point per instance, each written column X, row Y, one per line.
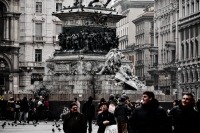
column 143, row 116
column 22, row 111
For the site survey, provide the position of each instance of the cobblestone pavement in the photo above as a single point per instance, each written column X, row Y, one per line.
column 42, row 127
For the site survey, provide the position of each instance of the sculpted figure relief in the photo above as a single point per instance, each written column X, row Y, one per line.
column 123, row 72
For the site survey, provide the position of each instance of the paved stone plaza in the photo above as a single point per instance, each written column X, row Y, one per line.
column 42, row 127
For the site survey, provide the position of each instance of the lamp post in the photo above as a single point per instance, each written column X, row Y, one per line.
column 178, row 93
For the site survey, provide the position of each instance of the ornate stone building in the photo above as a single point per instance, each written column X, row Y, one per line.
column 188, row 47
column 125, row 28
column 38, row 35
column 144, row 41
column 9, row 46
column 163, row 55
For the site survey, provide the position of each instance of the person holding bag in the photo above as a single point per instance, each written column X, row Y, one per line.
column 105, row 118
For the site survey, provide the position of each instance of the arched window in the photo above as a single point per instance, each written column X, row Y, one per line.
column 196, row 48
column 182, row 51
column 186, row 77
column 182, row 78
column 191, row 76
column 196, row 75
column 3, row 65
column 187, row 50
column 191, row 49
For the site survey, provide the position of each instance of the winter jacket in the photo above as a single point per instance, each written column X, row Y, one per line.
column 122, row 111
column 88, row 110
column 184, row 120
column 149, row 118
column 74, row 123
column 103, row 117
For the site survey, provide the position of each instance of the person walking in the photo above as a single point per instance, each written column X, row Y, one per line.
column 122, row 111
column 105, row 118
column 88, row 111
column 17, row 110
column 149, row 117
column 24, row 108
column 74, row 122
column 184, row 118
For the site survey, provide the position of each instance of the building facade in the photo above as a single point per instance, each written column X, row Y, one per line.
column 188, row 47
column 144, row 41
column 9, row 46
column 125, row 27
column 38, row 35
column 165, row 39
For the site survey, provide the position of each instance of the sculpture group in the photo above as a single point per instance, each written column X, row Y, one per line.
column 86, row 40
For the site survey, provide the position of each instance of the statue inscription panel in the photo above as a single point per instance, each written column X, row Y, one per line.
column 62, row 67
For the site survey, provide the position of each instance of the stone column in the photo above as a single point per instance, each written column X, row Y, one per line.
column 6, row 35
column 198, row 71
column 15, row 30
column 198, row 92
column 189, row 44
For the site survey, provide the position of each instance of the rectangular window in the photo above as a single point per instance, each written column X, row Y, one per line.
column 183, row 12
column 187, row 33
column 192, row 7
column 58, row 6
column 191, row 32
column 196, row 31
column 38, row 7
column 38, row 29
column 2, row 80
column 38, row 55
column 58, row 29
column 36, row 77
column 197, row 6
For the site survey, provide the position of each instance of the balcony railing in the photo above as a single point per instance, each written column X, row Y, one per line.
column 139, row 62
column 31, row 64
column 125, row 37
column 142, row 46
column 38, row 39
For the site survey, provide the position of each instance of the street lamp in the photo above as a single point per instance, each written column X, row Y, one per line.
column 178, row 92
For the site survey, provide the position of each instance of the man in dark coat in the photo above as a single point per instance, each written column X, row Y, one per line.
column 184, row 117
column 149, row 117
column 122, row 111
column 105, row 118
column 74, row 121
column 88, row 111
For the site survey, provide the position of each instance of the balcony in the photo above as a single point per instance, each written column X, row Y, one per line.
column 39, row 39
column 122, row 38
column 142, row 46
column 31, row 64
column 139, row 62
column 153, row 70
column 170, row 67
column 171, row 44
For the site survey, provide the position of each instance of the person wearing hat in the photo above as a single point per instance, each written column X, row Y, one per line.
column 88, row 111
column 121, row 113
column 74, row 122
